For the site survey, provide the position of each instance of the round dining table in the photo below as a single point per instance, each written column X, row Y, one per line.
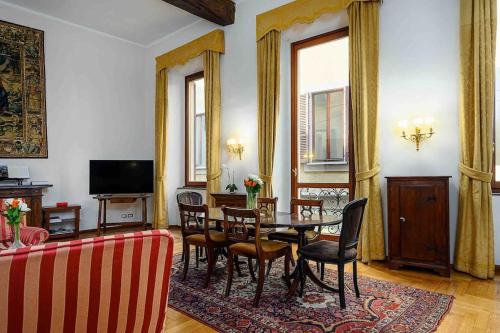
column 301, row 223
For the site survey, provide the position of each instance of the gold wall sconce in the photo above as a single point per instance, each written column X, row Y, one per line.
column 235, row 146
column 420, row 130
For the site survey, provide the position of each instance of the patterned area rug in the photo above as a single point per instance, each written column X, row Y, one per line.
column 382, row 307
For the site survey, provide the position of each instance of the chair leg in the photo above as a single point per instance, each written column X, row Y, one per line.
column 322, row 271
column 250, row 268
column 197, row 250
column 287, row 268
column 230, row 269
column 186, row 260
column 260, row 282
column 341, row 285
column 211, row 263
column 237, row 264
column 269, row 267
column 302, row 263
column 292, row 259
column 355, row 277
column 318, row 267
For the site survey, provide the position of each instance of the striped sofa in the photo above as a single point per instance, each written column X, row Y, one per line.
column 28, row 235
column 114, row 283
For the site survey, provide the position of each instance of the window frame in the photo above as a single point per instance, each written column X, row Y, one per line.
column 295, row 48
column 187, row 130
column 344, row 159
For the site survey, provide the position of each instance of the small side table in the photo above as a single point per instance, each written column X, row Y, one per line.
column 55, row 229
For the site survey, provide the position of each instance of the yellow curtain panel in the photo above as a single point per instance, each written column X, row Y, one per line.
column 474, row 244
column 160, row 219
column 364, row 53
column 268, row 80
column 211, row 61
column 213, row 41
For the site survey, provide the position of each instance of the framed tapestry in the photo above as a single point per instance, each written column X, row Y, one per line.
column 23, row 119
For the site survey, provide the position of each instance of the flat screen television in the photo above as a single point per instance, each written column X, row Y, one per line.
column 120, row 177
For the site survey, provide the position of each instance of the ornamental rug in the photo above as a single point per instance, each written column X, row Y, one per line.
column 383, row 306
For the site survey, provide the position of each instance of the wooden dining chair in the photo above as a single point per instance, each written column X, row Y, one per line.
column 267, row 207
column 211, row 240
column 333, row 252
column 304, row 207
column 236, row 233
column 193, row 225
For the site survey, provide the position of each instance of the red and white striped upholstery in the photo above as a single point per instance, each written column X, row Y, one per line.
column 28, row 235
column 114, row 283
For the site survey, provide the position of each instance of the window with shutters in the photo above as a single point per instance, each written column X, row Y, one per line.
column 321, row 128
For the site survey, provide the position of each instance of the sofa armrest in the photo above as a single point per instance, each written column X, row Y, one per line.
column 33, row 235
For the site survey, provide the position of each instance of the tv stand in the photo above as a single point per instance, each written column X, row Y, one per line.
column 102, row 223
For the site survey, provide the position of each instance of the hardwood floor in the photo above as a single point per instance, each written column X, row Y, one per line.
column 476, row 307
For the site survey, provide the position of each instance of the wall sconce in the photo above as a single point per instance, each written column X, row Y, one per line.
column 235, row 146
column 420, row 131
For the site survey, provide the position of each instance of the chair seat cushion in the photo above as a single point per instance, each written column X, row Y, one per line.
column 215, row 236
column 249, row 249
column 326, row 251
column 291, row 235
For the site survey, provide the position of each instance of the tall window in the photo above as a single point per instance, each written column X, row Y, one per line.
column 321, row 129
column 195, row 170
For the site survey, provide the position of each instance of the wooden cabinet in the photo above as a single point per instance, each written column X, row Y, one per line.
column 64, row 226
column 418, row 221
column 32, row 194
column 230, row 199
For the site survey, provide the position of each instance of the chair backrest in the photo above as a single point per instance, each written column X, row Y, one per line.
column 191, row 217
column 351, row 225
column 235, row 225
column 114, row 283
column 306, row 206
column 268, row 206
column 190, row 198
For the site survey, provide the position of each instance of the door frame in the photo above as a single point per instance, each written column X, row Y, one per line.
column 295, row 185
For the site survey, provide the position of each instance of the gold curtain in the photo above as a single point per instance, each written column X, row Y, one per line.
column 364, row 53
column 268, row 80
column 474, row 244
column 160, row 219
column 211, row 62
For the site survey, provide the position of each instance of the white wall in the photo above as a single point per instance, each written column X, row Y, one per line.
column 419, row 75
column 96, row 109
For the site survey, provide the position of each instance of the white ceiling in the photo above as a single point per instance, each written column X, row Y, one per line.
column 139, row 21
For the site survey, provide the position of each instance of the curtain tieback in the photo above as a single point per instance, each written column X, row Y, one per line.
column 365, row 175
column 266, row 178
column 214, row 176
column 485, row 177
column 160, row 179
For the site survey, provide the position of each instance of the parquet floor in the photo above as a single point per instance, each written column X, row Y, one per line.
column 476, row 307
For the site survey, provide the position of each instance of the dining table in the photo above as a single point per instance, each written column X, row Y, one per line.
column 300, row 222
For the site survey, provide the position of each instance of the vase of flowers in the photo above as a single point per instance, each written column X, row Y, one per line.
column 253, row 185
column 14, row 213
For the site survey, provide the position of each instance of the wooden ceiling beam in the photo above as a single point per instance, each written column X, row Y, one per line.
column 220, row 12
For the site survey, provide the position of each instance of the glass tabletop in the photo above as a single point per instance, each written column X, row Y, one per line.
column 284, row 219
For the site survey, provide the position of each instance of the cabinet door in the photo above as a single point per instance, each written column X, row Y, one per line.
column 419, row 220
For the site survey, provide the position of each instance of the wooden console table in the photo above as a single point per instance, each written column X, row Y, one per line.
column 32, row 194
column 102, row 223
column 230, row 199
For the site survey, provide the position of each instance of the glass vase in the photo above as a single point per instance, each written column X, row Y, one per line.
column 251, row 200
column 16, row 244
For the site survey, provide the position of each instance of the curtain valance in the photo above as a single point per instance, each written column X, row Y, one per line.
column 299, row 11
column 213, row 41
